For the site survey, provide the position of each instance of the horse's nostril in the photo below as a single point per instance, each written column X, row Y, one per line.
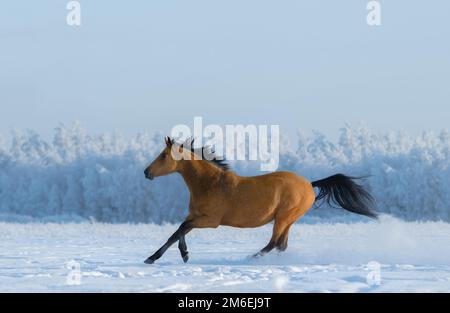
column 148, row 174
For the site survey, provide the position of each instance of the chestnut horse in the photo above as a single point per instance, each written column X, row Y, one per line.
column 220, row 197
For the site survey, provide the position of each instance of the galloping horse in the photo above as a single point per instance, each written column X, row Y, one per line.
column 220, row 197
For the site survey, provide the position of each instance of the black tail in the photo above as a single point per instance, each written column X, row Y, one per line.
column 343, row 191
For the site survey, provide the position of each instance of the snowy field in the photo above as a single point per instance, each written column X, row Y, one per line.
column 320, row 258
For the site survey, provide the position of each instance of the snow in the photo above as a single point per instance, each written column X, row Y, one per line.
column 321, row 257
column 80, row 176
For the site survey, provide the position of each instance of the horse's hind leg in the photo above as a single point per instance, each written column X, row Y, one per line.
column 183, row 248
column 290, row 217
column 282, row 242
column 283, row 222
column 266, row 249
column 278, row 230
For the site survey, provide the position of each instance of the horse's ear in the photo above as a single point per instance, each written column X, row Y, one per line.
column 169, row 141
column 189, row 143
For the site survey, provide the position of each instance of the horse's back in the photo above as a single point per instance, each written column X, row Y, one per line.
column 284, row 179
column 292, row 186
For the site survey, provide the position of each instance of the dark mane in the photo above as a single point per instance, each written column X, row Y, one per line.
column 205, row 152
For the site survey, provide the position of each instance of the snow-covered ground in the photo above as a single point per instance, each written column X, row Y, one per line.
column 320, row 258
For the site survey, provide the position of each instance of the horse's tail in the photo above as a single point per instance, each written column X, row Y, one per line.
column 344, row 191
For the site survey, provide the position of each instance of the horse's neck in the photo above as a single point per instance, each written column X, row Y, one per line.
column 199, row 175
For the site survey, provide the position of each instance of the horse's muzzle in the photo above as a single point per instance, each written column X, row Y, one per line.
column 148, row 175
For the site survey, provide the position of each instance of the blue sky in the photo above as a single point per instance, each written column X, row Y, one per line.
column 147, row 65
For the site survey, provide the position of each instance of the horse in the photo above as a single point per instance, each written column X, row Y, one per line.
column 218, row 196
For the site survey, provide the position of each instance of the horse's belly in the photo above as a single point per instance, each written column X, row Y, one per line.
column 248, row 218
column 245, row 224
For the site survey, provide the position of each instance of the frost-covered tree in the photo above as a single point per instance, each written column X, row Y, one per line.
column 78, row 176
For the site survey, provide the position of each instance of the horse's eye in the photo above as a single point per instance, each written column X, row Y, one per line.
column 163, row 156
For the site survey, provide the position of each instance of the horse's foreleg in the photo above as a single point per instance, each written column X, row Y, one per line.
column 196, row 222
column 183, row 248
column 199, row 222
column 184, row 228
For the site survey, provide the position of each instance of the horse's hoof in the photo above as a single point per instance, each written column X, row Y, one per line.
column 257, row 255
column 185, row 257
column 149, row 261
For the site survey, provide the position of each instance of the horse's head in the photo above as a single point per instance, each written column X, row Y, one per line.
column 166, row 162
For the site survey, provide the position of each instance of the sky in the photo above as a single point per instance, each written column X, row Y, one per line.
column 144, row 66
